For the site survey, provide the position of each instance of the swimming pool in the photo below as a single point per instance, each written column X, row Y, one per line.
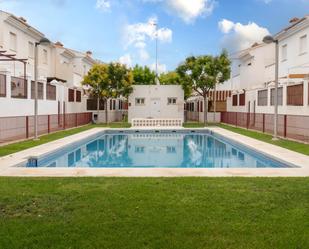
column 156, row 149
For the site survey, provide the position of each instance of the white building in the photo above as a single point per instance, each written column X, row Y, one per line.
column 253, row 79
column 156, row 102
column 60, row 73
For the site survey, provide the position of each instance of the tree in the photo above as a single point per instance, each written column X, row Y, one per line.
column 143, row 75
column 121, row 78
column 108, row 81
column 201, row 74
column 173, row 78
column 98, row 82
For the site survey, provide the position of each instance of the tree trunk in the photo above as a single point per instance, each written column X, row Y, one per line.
column 106, row 111
column 98, row 109
column 205, row 109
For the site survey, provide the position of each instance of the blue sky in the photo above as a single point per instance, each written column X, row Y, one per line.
column 123, row 30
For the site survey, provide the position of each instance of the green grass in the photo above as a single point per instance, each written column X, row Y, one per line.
column 180, row 213
column 291, row 145
column 19, row 146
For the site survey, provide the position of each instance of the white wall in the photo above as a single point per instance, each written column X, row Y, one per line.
column 156, row 102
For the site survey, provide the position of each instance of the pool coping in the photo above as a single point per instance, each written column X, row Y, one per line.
column 8, row 163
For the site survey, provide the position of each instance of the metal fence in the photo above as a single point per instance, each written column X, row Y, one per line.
column 289, row 126
column 22, row 127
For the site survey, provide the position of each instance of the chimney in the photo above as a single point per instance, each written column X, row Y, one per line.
column 58, row 44
column 294, row 20
column 22, row 19
column 89, row 53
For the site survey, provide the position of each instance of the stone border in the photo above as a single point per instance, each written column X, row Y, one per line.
column 8, row 168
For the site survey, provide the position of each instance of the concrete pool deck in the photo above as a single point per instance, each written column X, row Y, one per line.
column 8, row 163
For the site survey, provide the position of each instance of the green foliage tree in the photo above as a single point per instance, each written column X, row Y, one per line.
column 143, row 75
column 201, row 74
column 173, row 78
column 108, row 81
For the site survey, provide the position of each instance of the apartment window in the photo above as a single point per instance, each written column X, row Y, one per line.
column 242, row 99
column 120, row 105
column 114, row 104
column 78, row 96
column 40, row 90
column 262, row 97
column 45, row 56
column 284, row 51
column 2, row 85
column 303, row 45
column 280, row 96
column 50, row 92
column 201, row 107
column 92, row 105
column 13, row 41
column 111, row 104
column 295, row 95
column 18, row 88
column 140, row 101
column 71, row 96
column 30, row 50
column 171, row 101
column 235, row 100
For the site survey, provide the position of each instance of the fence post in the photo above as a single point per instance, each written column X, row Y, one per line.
column 27, row 126
column 75, row 119
column 263, row 122
column 236, row 118
column 248, row 116
column 48, row 123
column 285, row 125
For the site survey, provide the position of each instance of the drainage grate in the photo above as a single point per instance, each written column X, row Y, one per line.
column 32, row 162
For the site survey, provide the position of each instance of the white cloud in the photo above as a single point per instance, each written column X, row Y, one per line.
column 187, row 10
column 161, row 68
column 139, row 34
column 226, row 26
column 104, row 5
column 239, row 36
column 126, row 60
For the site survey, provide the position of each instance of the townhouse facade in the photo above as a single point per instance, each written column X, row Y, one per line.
column 253, row 74
column 62, row 100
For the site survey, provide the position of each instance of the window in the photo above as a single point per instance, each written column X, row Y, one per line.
column 45, row 56
column 262, row 97
column 71, row 97
column 242, row 99
column 171, row 101
column 13, row 41
column 280, row 96
column 78, row 96
column 50, row 92
column 295, row 95
column 92, row 105
column 284, row 52
column 201, row 107
column 235, row 100
column 111, row 104
column 303, row 45
column 18, row 88
column 120, row 105
column 30, row 50
column 2, row 85
column 40, row 90
column 140, row 101
column 114, row 104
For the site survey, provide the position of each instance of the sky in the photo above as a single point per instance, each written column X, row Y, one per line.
column 125, row 30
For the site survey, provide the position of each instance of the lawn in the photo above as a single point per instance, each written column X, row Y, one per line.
column 291, row 145
column 154, row 213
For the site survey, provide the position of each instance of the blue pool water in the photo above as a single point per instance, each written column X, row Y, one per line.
column 157, row 150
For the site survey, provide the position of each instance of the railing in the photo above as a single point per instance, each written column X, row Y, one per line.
column 140, row 122
column 22, row 127
column 294, row 127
